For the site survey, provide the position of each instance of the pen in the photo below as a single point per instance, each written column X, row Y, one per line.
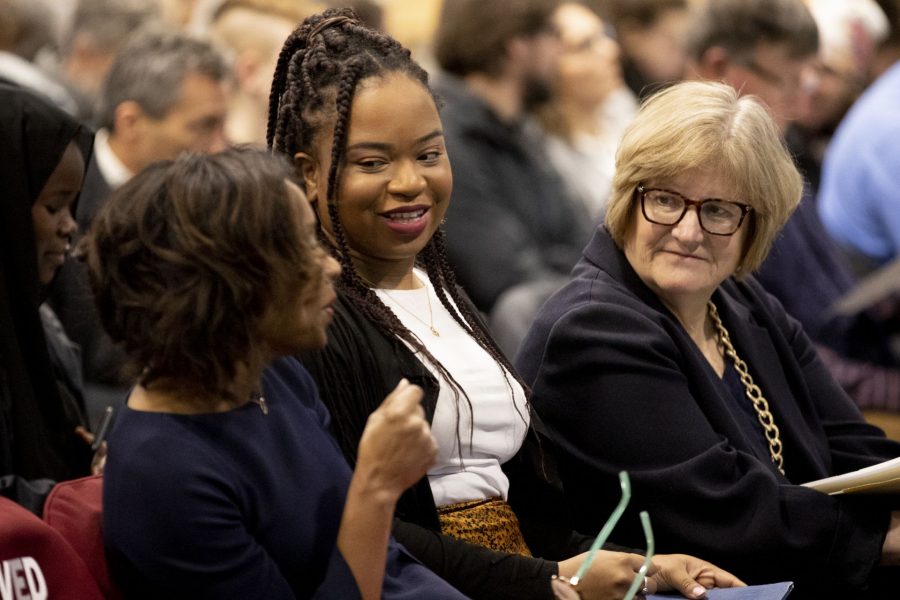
column 102, row 429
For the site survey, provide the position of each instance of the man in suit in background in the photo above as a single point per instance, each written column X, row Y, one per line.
column 166, row 93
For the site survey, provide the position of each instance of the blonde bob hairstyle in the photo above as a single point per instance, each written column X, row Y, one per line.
column 708, row 125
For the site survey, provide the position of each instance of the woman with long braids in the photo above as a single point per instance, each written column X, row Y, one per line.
column 357, row 116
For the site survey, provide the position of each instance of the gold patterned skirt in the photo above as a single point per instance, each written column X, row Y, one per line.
column 490, row 523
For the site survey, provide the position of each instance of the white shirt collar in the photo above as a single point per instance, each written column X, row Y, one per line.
column 113, row 170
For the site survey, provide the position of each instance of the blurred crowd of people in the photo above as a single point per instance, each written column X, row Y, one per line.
column 156, row 79
column 581, row 140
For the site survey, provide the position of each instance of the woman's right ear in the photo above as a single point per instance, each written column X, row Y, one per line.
column 308, row 169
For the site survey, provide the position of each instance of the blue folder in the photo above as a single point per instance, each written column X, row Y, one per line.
column 772, row 591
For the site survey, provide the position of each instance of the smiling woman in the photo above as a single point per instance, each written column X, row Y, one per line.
column 395, row 181
column 358, row 118
column 664, row 357
column 681, row 261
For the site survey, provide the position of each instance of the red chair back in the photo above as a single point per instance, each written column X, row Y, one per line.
column 73, row 508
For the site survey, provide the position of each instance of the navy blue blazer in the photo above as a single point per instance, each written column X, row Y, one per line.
column 621, row 385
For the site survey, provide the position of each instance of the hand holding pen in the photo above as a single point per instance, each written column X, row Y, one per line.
column 97, row 441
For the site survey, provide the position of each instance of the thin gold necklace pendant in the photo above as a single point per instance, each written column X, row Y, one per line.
column 260, row 401
column 430, row 314
column 430, row 323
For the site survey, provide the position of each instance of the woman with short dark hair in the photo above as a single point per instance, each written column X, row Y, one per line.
column 223, row 481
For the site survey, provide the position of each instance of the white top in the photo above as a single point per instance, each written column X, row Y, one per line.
column 500, row 426
column 589, row 163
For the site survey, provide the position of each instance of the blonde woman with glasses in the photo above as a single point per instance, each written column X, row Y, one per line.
column 664, row 357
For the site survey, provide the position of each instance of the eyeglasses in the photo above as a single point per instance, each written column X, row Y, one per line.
column 718, row 217
column 566, row 588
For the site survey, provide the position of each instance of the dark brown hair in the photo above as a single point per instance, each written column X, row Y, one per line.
column 641, row 12
column 182, row 261
column 891, row 10
column 319, row 70
column 739, row 26
column 472, row 35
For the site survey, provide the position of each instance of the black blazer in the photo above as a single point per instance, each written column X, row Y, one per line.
column 354, row 373
column 620, row 385
column 94, row 192
column 512, row 220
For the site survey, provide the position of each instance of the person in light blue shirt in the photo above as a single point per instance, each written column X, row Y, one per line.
column 859, row 198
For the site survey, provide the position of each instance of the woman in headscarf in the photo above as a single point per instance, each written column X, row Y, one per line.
column 43, row 153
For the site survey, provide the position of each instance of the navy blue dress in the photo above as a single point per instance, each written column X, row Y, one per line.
column 238, row 504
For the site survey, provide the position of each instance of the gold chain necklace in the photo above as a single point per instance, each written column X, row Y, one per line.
column 753, row 392
column 430, row 323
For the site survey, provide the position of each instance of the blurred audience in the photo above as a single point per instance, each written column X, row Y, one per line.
column 652, row 35
column 590, row 108
column 513, row 232
column 761, row 48
column 805, row 269
column 166, row 93
column 251, row 33
column 858, row 199
column 886, row 52
column 25, row 28
column 97, row 31
column 32, row 25
column 849, row 34
column 180, row 14
column 42, row 156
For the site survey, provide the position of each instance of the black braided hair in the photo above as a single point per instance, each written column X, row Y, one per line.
column 319, row 70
